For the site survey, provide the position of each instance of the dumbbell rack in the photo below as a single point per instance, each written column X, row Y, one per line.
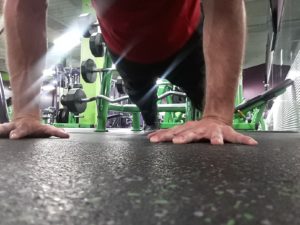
column 255, row 107
column 104, row 104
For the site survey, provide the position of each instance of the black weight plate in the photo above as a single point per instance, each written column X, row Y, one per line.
column 178, row 99
column 63, row 116
column 9, row 101
column 87, row 34
column 96, row 45
column 120, row 86
column 87, row 71
column 73, row 100
column 77, row 86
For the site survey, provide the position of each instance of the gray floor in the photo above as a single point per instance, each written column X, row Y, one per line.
column 120, row 178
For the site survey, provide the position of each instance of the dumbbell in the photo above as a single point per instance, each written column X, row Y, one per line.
column 89, row 71
column 76, row 101
column 73, row 100
column 96, row 45
column 93, row 28
column 62, row 115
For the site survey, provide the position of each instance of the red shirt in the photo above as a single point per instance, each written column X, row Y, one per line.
column 147, row 31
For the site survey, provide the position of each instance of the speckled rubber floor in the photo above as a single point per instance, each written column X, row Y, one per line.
column 119, row 178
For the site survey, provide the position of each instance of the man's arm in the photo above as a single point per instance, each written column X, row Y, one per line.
column 25, row 28
column 224, row 43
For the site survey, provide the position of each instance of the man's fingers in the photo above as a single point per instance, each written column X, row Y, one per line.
column 162, row 136
column 216, row 137
column 235, row 137
column 194, row 131
column 52, row 131
column 5, row 128
column 217, row 140
column 155, row 133
column 19, row 132
column 248, row 140
column 42, row 131
column 186, row 137
column 162, row 132
column 169, row 134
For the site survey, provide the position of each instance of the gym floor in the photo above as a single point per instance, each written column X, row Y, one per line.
column 119, row 178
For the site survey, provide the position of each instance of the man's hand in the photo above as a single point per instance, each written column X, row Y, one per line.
column 208, row 129
column 29, row 127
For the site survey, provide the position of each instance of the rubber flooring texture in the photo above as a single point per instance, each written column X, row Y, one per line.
column 120, row 178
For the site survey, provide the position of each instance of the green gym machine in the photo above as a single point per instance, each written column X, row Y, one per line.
column 4, row 118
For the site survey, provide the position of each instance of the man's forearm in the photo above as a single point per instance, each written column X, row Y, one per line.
column 25, row 27
column 224, row 43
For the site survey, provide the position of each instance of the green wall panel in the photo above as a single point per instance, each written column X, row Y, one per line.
column 91, row 90
column 5, row 76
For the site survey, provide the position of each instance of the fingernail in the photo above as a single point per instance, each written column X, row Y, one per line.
column 178, row 139
column 13, row 135
column 153, row 139
column 66, row 135
column 220, row 141
column 253, row 142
